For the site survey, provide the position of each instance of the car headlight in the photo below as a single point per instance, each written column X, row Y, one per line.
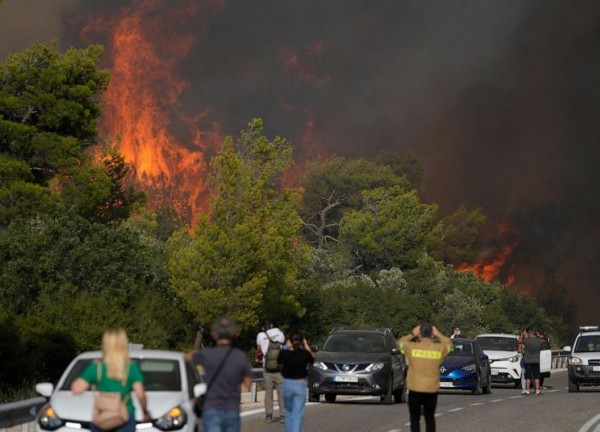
column 514, row 359
column 175, row 419
column 49, row 420
column 575, row 361
column 320, row 365
column 469, row 368
column 375, row 367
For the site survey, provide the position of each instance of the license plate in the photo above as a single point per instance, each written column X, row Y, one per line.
column 495, row 371
column 346, row 378
column 445, row 384
column 596, row 368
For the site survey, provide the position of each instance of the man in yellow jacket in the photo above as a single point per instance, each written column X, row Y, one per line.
column 425, row 348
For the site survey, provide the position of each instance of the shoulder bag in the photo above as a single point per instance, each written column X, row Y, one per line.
column 199, row 401
column 109, row 410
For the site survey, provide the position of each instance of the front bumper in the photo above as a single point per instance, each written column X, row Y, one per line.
column 584, row 374
column 458, row 379
column 333, row 382
column 504, row 371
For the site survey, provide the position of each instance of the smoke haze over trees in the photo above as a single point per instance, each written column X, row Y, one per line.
column 499, row 103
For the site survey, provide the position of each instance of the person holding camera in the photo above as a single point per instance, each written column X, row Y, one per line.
column 294, row 368
column 425, row 348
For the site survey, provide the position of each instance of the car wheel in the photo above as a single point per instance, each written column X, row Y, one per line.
column 477, row 389
column 330, row 397
column 388, row 397
column 487, row 389
column 573, row 387
column 400, row 395
column 313, row 397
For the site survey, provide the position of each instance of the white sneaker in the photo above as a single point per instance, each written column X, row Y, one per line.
column 523, row 392
column 526, row 392
column 537, row 392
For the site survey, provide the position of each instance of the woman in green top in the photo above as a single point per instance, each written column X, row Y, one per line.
column 117, row 374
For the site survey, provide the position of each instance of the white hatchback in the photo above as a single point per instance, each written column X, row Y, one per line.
column 170, row 384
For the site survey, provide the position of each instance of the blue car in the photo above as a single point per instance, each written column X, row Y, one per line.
column 466, row 368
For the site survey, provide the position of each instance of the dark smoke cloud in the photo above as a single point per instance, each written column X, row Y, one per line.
column 500, row 100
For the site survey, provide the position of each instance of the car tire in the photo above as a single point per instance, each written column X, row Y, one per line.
column 388, row 397
column 313, row 397
column 487, row 389
column 400, row 395
column 573, row 387
column 477, row 389
column 330, row 397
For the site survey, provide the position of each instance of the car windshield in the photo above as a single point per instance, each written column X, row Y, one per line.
column 590, row 343
column 461, row 348
column 159, row 374
column 497, row 343
column 355, row 342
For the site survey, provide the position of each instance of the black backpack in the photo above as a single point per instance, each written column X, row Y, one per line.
column 272, row 354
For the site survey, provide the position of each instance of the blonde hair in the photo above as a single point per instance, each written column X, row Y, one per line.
column 115, row 353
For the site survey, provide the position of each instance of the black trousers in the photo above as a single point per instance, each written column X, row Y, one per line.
column 428, row 401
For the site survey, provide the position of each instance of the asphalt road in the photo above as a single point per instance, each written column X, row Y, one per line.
column 505, row 409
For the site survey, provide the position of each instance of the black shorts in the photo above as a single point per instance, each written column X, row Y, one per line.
column 532, row 369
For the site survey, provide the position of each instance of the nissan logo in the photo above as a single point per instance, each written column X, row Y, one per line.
column 443, row 369
column 346, row 367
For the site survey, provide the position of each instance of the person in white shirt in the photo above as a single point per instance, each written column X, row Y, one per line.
column 273, row 379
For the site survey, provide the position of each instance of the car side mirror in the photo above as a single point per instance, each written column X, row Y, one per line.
column 567, row 348
column 45, row 389
column 314, row 348
column 483, row 357
column 395, row 351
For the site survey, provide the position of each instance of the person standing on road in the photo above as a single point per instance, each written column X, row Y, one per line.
column 117, row 374
column 522, row 363
column 221, row 411
column 425, row 348
column 532, row 346
column 268, row 337
column 294, row 368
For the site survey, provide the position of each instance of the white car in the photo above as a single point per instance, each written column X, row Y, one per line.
column 170, row 383
column 505, row 360
column 584, row 359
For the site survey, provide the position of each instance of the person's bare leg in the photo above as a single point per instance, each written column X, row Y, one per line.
column 537, row 384
column 527, row 384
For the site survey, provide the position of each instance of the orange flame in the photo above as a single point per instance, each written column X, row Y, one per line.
column 141, row 102
column 489, row 269
column 493, row 267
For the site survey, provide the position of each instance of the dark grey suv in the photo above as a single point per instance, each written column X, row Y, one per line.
column 358, row 362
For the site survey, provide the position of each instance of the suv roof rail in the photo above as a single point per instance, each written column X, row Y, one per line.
column 588, row 328
column 340, row 328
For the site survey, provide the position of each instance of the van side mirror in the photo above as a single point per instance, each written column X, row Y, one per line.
column 567, row 348
column 314, row 348
column 395, row 351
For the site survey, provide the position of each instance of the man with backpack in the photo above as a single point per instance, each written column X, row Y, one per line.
column 270, row 342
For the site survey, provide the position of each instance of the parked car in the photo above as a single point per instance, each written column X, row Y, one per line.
column 170, row 384
column 584, row 359
column 505, row 360
column 466, row 367
column 358, row 362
